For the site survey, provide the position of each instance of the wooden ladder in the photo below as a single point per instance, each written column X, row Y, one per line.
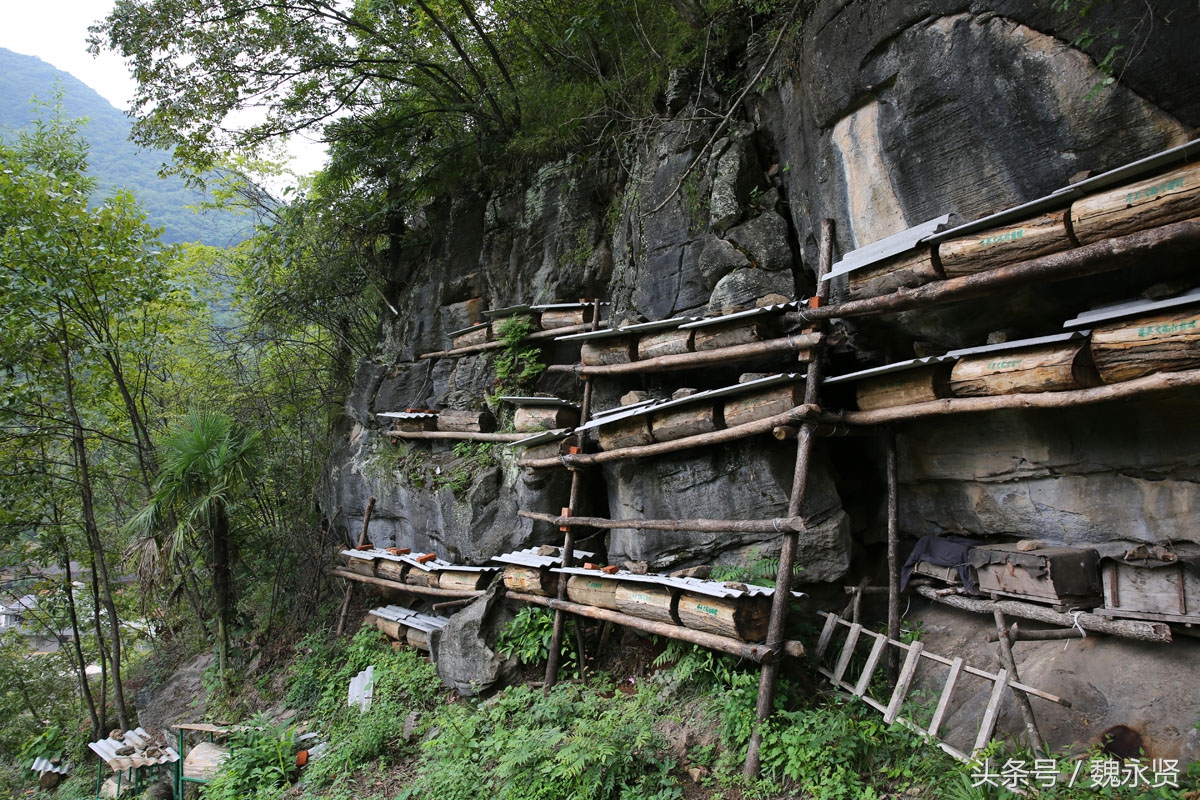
column 915, row 652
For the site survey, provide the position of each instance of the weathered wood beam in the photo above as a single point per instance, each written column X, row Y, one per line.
column 789, row 344
column 778, row 525
column 754, row 652
column 1128, row 628
column 716, row 437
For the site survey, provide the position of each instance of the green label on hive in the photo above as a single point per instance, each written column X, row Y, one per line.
column 1150, row 192
column 1012, row 363
column 1007, row 236
column 1167, row 328
column 703, row 609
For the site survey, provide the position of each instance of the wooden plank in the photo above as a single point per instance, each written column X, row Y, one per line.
column 647, row 601
column 1162, row 590
column 831, row 621
column 606, row 352
column 692, row 419
column 847, row 652
column 466, row 421
column 1168, row 197
column 1046, row 368
column 864, row 680
column 760, row 405
column 529, row 419
column 988, row 725
column 943, row 704
column 1134, row 348
column 919, row 385
column 593, row 591
column 1009, row 244
column 664, row 343
column 906, row 270
column 903, row 682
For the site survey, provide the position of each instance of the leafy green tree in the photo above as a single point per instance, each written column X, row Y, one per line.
column 207, row 463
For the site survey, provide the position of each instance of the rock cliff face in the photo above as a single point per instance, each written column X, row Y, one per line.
column 880, row 114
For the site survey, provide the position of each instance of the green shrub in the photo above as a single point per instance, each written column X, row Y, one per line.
column 261, row 763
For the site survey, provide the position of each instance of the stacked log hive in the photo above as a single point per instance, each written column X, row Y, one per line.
column 917, row 385
column 906, row 270
column 647, row 601
column 1039, row 236
column 760, row 405
column 1042, row 368
column 529, row 419
column 1167, row 197
column 1133, row 348
column 592, row 590
column 531, row 580
column 717, row 336
column 742, row 618
column 666, row 343
column 466, row 421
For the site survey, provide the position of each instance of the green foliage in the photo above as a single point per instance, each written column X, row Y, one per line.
column 408, row 464
column 569, row 742
column 261, row 763
column 1089, row 36
column 516, row 364
column 527, row 638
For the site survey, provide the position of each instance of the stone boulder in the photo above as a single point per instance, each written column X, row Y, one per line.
column 464, row 650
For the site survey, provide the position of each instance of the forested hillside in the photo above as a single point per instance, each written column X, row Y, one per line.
column 114, row 161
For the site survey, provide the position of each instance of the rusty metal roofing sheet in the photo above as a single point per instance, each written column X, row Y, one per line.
column 886, row 369
column 627, row 330
column 530, row 558
column 1001, row 347
column 1132, row 308
column 736, row 316
column 1060, row 198
column 890, row 246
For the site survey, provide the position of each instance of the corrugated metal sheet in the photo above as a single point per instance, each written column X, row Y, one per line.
column 711, row 394
column 437, row 565
column 737, row 316
column 411, row 619
column 543, row 437
column 1132, row 308
column 41, row 765
column 627, row 330
column 407, row 415
column 539, row 401
column 1002, row 347
column 507, row 312
column 566, row 306
column 1061, row 198
column 899, row 366
column 893, row 245
column 139, row 739
column 708, row 588
column 530, row 558
column 469, row 329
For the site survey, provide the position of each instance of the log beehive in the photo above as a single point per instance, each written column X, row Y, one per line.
column 993, row 248
column 1043, row 368
column 1160, row 343
column 1168, row 197
column 918, row 385
column 647, row 601
column 593, row 591
column 742, row 617
column 906, row 270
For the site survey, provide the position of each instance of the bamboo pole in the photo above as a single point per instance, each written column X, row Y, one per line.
column 787, row 552
column 1108, row 254
column 1036, row 742
column 725, row 644
column 568, row 548
column 408, row 588
column 1158, row 382
column 778, row 525
column 362, row 539
column 893, row 554
column 675, row 445
column 1128, row 628
column 788, row 344
column 535, row 336
column 460, row 436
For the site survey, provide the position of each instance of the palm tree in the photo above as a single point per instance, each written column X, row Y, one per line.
column 205, row 461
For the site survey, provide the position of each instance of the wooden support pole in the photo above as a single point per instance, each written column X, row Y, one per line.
column 1010, row 663
column 1158, row 382
column 362, row 539
column 1128, row 628
column 787, row 552
column 676, row 445
column 1178, row 238
column 724, row 644
column 893, row 552
column 799, row 343
column 1019, row 634
column 535, row 336
column 778, row 525
column 568, row 548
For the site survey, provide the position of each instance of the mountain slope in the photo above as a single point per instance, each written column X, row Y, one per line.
column 114, row 161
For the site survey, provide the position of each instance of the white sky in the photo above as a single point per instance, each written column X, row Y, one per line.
column 56, row 31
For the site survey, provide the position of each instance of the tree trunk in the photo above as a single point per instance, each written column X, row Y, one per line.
column 222, row 589
column 85, row 688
